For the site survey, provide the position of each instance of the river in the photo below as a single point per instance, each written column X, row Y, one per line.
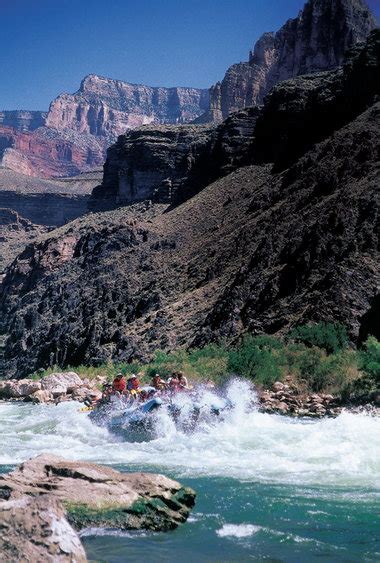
column 269, row 487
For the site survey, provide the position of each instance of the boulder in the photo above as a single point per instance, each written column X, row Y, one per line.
column 97, row 496
column 35, row 529
column 41, row 396
column 61, row 383
column 17, row 389
column 278, row 386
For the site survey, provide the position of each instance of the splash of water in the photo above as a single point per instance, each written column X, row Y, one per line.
column 244, row 444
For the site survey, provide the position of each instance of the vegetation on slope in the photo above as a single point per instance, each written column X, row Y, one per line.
column 317, row 358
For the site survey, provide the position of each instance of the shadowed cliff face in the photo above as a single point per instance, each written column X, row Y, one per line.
column 315, row 41
column 257, row 250
column 169, row 164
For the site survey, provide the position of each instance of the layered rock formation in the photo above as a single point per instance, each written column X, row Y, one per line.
column 259, row 250
column 74, row 134
column 169, row 164
column 315, row 41
column 23, row 120
column 47, row 153
column 107, row 108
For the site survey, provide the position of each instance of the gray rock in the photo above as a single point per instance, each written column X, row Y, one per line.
column 97, row 496
column 36, row 529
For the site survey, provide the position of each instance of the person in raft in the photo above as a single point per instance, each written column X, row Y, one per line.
column 182, row 381
column 158, row 383
column 119, row 383
column 133, row 383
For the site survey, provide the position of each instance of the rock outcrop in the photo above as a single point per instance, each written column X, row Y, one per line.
column 259, row 250
column 317, row 40
column 46, row 152
column 36, row 529
column 46, row 500
column 97, row 496
column 169, row 164
column 15, row 233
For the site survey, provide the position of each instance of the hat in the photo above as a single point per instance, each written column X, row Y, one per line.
column 119, row 374
column 133, row 376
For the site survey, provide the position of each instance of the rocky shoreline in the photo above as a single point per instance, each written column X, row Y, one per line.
column 47, row 500
column 282, row 398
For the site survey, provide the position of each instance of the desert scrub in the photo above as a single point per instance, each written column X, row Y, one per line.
column 259, row 358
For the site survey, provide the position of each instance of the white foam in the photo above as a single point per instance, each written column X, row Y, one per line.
column 246, row 444
column 238, row 530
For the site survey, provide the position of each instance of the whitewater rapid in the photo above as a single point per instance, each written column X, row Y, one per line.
column 245, row 445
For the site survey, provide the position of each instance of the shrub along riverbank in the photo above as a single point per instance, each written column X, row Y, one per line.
column 316, row 358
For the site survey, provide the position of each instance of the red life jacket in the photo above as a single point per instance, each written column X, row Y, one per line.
column 119, row 384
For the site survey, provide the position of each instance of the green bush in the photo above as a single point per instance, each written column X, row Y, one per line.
column 369, row 358
column 331, row 337
column 259, row 358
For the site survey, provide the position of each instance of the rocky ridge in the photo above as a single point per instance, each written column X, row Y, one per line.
column 317, row 40
column 107, row 108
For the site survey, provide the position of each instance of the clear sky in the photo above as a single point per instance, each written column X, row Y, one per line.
column 48, row 46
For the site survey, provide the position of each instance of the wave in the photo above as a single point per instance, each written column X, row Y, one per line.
column 245, row 444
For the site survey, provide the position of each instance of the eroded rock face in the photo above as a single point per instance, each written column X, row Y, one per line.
column 45, row 152
column 97, row 496
column 36, row 529
column 107, row 108
column 23, row 120
column 169, row 164
column 73, row 136
column 315, row 41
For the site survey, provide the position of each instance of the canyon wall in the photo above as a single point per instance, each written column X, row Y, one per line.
column 23, row 120
column 257, row 251
column 107, row 108
column 169, row 164
column 315, row 41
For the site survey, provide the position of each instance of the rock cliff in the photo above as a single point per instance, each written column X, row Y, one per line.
column 107, row 108
column 315, row 41
column 22, row 120
column 258, row 250
column 169, row 164
column 74, row 134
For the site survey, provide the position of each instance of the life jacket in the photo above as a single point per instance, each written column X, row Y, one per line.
column 133, row 384
column 119, row 385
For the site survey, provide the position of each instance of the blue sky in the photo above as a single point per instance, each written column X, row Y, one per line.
column 48, row 46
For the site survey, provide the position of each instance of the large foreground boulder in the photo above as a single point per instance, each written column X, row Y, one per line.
column 35, row 529
column 97, row 496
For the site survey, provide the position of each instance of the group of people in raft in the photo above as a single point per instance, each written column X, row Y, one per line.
column 131, row 387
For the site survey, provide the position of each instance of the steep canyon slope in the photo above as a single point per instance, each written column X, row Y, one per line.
column 261, row 249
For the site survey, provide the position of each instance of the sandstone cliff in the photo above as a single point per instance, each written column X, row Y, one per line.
column 73, row 136
column 314, row 41
column 259, row 250
column 107, row 108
